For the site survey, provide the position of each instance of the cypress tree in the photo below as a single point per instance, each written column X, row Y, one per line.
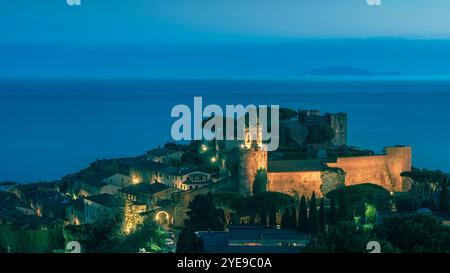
column 303, row 215
column 343, row 212
column 322, row 220
column 285, row 219
column 263, row 217
column 294, row 218
column 443, row 197
column 260, row 182
column 332, row 219
column 273, row 217
column 313, row 218
column 186, row 240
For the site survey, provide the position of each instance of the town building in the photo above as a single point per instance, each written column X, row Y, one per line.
column 144, row 193
column 183, row 178
column 163, row 155
column 253, row 239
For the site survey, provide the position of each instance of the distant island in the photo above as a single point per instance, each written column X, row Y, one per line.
column 336, row 70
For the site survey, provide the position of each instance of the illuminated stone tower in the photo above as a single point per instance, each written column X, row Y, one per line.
column 252, row 157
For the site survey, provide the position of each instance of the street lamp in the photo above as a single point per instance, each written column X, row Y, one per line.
column 204, row 148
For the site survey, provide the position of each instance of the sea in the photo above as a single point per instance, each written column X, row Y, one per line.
column 51, row 128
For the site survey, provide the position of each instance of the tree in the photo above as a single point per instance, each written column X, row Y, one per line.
column 424, row 183
column 343, row 212
column 332, row 216
column 186, row 240
column 251, row 205
column 203, row 215
column 321, row 133
column 294, row 218
column 235, row 219
column 286, row 219
column 260, row 183
column 415, row 233
column 313, row 219
column 273, row 217
column 322, row 217
column 344, row 237
column 443, row 197
column 263, row 217
column 303, row 215
column 287, row 113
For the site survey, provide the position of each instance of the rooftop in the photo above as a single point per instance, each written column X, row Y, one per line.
column 171, row 170
column 145, row 188
column 258, row 232
column 106, row 200
column 272, row 240
column 97, row 178
column 295, row 166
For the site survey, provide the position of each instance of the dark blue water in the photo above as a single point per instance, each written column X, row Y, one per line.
column 52, row 128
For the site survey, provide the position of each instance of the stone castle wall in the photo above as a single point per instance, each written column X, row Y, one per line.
column 182, row 198
column 383, row 170
column 296, row 183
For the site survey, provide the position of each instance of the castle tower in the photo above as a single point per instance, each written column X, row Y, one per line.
column 252, row 157
column 338, row 122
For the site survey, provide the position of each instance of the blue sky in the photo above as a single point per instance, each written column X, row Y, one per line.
column 220, row 38
column 170, row 21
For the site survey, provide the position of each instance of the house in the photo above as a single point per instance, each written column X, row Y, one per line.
column 163, row 155
column 102, row 182
column 144, row 193
column 93, row 186
column 75, row 211
column 141, row 170
column 119, row 180
column 183, row 178
column 99, row 206
column 253, row 239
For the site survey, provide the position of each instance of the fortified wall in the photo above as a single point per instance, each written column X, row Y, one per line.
column 383, row 170
column 295, row 183
column 303, row 177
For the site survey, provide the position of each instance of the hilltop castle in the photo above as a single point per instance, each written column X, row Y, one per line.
column 302, row 177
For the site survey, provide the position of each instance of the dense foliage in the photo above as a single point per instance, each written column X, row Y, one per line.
column 106, row 236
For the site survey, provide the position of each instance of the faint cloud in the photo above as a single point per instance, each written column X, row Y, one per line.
column 374, row 2
column 73, row 2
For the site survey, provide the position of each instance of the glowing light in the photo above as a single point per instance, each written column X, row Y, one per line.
column 135, row 179
column 162, row 216
column 131, row 219
column 204, row 148
column 213, row 159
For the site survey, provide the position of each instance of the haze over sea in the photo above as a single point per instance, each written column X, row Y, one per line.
column 53, row 128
